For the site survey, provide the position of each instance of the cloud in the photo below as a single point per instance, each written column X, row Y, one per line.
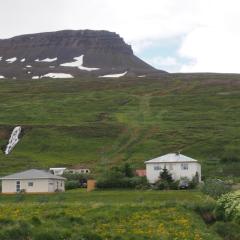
column 213, row 46
column 207, row 30
column 169, row 63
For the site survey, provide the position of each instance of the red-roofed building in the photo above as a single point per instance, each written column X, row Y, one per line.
column 141, row 172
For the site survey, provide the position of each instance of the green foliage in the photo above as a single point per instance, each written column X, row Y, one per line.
column 228, row 206
column 122, row 215
column 165, row 181
column 103, row 123
column 215, row 188
column 75, row 180
column 206, row 210
column 166, row 176
column 121, row 177
column 72, row 184
column 227, row 230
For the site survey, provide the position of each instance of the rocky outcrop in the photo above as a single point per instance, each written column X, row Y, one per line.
column 101, row 52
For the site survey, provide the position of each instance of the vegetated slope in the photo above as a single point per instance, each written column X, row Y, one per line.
column 76, row 53
column 101, row 123
column 77, row 214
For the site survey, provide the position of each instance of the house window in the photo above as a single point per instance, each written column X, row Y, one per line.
column 17, row 186
column 157, row 168
column 184, row 166
column 30, row 184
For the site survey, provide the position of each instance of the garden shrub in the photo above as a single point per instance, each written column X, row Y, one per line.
column 72, row 184
column 121, row 177
column 228, row 207
column 215, row 188
column 206, row 211
column 227, row 230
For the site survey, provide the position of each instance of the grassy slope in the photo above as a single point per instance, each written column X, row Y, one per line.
column 100, row 123
column 107, row 214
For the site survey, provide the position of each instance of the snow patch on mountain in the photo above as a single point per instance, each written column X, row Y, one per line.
column 11, row 60
column 46, row 60
column 118, row 75
column 13, row 140
column 1, row 77
column 23, row 60
column 79, row 64
column 57, row 75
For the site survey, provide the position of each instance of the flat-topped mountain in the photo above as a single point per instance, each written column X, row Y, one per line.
column 69, row 53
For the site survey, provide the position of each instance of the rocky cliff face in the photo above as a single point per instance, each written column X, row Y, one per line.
column 70, row 53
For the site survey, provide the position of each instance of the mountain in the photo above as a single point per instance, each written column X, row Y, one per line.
column 69, row 53
column 101, row 123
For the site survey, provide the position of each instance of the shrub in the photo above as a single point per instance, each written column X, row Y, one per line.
column 121, row 177
column 166, row 176
column 227, row 230
column 215, row 188
column 81, row 179
column 206, row 211
column 228, row 207
column 72, row 184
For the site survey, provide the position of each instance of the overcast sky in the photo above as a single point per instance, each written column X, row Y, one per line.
column 174, row 35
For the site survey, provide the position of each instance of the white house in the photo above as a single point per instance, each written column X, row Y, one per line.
column 177, row 164
column 79, row 169
column 57, row 171
column 33, row 181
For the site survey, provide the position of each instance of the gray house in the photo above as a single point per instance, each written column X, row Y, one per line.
column 32, row 181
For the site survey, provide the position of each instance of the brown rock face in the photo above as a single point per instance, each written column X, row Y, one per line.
column 104, row 50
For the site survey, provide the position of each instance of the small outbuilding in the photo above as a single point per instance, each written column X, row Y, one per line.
column 178, row 165
column 79, row 169
column 33, row 181
column 59, row 171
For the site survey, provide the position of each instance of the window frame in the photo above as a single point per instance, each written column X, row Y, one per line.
column 184, row 166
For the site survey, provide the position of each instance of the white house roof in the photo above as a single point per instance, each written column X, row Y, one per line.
column 171, row 157
column 31, row 174
column 57, row 168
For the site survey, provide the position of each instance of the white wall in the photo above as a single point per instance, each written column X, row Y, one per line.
column 39, row 185
column 174, row 168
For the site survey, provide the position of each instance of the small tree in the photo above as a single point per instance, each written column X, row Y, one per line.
column 166, row 176
column 127, row 170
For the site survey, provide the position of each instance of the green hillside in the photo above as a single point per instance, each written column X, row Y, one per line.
column 101, row 123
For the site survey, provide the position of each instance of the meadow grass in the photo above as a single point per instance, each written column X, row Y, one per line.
column 101, row 123
column 113, row 214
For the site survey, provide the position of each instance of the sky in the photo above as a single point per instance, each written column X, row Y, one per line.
column 173, row 35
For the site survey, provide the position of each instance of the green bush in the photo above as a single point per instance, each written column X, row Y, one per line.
column 121, row 177
column 228, row 207
column 206, row 211
column 215, row 188
column 227, row 230
column 72, row 184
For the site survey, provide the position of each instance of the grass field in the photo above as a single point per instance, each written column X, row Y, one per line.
column 104, row 215
column 100, row 123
